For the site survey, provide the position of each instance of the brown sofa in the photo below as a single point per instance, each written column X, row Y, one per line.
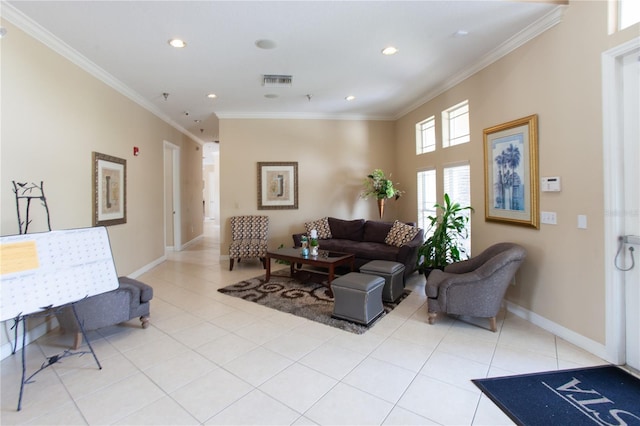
column 366, row 239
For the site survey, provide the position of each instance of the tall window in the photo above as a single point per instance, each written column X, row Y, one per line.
column 457, row 183
column 426, row 197
column 426, row 135
column 455, row 125
column 628, row 13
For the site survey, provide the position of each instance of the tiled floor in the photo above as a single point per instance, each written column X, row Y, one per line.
column 208, row 358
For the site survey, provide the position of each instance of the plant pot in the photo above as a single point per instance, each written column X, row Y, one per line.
column 427, row 271
column 381, row 207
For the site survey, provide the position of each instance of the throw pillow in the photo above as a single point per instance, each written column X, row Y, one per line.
column 346, row 229
column 400, row 233
column 320, row 225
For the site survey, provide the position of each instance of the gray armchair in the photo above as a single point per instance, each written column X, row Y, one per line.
column 474, row 287
column 130, row 300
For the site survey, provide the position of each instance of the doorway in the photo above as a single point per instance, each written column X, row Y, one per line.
column 211, row 178
column 621, row 155
column 172, row 221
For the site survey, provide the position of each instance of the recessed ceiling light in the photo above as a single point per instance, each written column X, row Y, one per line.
column 350, row 98
column 176, row 42
column 271, row 96
column 212, row 96
column 390, row 50
column 461, row 33
column 266, row 44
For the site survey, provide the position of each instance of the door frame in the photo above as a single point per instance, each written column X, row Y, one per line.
column 615, row 339
column 175, row 161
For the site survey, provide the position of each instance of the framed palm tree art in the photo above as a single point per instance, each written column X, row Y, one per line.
column 511, row 172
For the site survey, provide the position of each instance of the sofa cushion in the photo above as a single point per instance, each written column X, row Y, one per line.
column 376, row 232
column 400, row 233
column 343, row 246
column 320, row 225
column 362, row 250
column 377, row 251
column 346, row 229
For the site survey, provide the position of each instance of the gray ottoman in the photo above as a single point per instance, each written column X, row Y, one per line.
column 358, row 297
column 393, row 274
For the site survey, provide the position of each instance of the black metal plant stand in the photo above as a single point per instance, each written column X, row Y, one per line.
column 52, row 359
column 28, row 192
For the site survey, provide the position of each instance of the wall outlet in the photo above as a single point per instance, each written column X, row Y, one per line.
column 582, row 221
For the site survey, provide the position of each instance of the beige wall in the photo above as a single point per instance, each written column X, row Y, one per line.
column 334, row 157
column 191, row 185
column 54, row 115
column 168, row 199
column 557, row 76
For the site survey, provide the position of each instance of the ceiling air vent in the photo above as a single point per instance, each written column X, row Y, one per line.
column 273, row 80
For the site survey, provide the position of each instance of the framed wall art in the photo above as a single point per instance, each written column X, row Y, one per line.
column 511, row 172
column 109, row 190
column 277, row 185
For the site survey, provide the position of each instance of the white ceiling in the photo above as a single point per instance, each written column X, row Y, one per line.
column 332, row 49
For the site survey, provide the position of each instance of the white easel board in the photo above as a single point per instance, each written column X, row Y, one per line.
column 53, row 269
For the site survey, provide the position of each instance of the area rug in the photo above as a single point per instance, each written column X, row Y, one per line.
column 604, row 395
column 303, row 296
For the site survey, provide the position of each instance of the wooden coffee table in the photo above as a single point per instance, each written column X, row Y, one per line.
column 324, row 259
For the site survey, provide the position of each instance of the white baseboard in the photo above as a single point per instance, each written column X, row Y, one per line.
column 192, row 242
column 32, row 335
column 598, row 349
column 147, row 267
column 169, row 249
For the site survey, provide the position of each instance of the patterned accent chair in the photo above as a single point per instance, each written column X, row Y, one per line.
column 474, row 287
column 248, row 238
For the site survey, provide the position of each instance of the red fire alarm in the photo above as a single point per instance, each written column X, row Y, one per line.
column 136, row 151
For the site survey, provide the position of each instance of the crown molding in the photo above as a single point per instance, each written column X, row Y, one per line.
column 546, row 22
column 30, row 27
column 301, row 116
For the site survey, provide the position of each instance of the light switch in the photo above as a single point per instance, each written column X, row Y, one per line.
column 549, row 218
column 582, row 221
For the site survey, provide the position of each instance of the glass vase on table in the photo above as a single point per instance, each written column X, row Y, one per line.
column 314, row 244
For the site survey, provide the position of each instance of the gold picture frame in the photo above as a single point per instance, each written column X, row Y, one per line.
column 109, row 190
column 277, row 185
column 511, row 172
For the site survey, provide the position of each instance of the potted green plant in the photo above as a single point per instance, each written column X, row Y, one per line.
column 444, row 245
column 379, row 186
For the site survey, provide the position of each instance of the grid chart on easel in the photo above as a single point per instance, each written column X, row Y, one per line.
column 53, row 269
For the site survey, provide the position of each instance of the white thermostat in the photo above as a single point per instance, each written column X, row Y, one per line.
column 550, row 184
